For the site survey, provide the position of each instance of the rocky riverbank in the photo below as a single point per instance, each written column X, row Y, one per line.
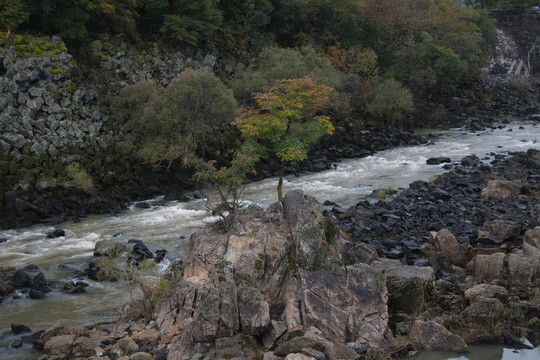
column 440, row 265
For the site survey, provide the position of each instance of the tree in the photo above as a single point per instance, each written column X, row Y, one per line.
column 12, row 14
column 391, row 101
column 65, row 18
column 285, row 121
column 111, row 16
column 226, row 181
column 191, row 21
column 274, row 64
column 183, row 121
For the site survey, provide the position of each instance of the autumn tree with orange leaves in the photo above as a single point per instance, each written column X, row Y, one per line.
column 285, row 121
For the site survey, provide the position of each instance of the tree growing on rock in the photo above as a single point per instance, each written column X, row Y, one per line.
column 286, row 121
column 226, row 181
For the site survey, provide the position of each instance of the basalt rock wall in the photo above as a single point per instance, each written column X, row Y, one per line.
column 57, row 138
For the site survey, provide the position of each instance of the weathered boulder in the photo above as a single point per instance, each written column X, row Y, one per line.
column 531, row 242
column 447, row 244
column 497, row 231
column 486, row 291
column 60, row 345
column 524, row 273
column 430, row 335
column 482, row 320
column 488, row 267
column 347, row 304
column 501, row 189
column 409, row 287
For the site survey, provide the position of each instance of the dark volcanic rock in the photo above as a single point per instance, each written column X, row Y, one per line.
column 438, row 160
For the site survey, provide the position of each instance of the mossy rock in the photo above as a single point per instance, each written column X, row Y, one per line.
column 13, row 168
column 35, row 46
column 480, row 321
column 4, row 167
column 28, row 162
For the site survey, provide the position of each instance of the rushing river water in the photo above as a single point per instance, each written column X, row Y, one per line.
column 168, row 226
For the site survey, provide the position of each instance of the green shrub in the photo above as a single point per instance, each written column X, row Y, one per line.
column 77, row 177
column 391, row 101
column 177, row 123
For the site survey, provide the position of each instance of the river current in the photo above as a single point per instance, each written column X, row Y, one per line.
column 169, row 225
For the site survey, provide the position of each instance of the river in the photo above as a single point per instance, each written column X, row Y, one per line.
column 169, row 225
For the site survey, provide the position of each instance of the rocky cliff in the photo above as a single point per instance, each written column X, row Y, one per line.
column 57, row 138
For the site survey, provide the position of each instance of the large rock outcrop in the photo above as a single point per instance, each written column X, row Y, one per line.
column 273, row 271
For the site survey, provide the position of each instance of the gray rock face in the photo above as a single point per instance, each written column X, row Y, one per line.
column 429, row 335
column 43, row 104
column 230, row 282
column 346, row 305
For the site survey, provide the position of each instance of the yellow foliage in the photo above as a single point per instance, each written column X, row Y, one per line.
column 286, row 117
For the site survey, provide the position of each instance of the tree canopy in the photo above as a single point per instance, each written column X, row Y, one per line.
column 285, row 121
column 176, row 123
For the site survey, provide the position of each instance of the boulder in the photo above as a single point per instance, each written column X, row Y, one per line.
column 531, row 243
column 5, row 288
column 447, row 244
column 141, row 356
column 486, row 291
column 60, row 346
column 482, row 320
column 295, row 345
column 409, row 287
column 39, row 283
column 240, row 346
column 346, row 304
column 71, row 287
column 488, row 267
column 524, row 273
column 254, row 317
column 269, row 272
column 430, row 335
column 498, row 231
column 140, row 251
column 273, row 332
column 361, row 253
column 501, row 189
column 56, row 233
column 21, row 279
column 438, row 160
column 299, row 356
column 20, row 329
